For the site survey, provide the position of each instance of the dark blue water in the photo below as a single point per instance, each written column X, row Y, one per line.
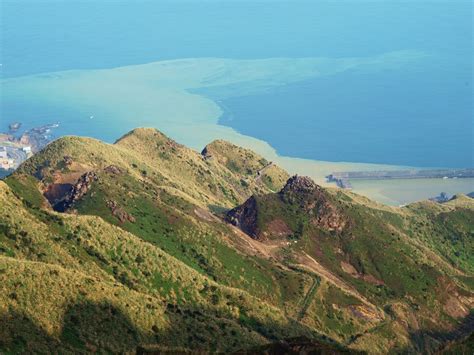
column 419, row 115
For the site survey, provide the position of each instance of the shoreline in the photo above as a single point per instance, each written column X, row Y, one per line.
column 163, row 95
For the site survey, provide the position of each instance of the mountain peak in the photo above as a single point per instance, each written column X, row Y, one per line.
column 299, row 184
column 264, row 217
column 143, row 134
column 303, row 191
column 234, row 157
column 141, row 239
column 245, row 162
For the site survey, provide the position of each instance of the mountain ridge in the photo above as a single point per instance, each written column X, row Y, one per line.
column 149, row 215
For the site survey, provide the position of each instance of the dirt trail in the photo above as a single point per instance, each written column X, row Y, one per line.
column 205, row 215
column 308, row 298
column 310, row 263
column 253, row 246
column 258, row 178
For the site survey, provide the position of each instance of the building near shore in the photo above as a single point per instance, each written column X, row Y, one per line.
column 7, row 164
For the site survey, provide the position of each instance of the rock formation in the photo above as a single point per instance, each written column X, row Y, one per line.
column 77, row 191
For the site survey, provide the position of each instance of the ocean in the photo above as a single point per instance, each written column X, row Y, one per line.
column 384, row 82
column 419, row 115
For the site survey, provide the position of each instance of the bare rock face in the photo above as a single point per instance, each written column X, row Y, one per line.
column 206, row 154
column 83, row 185
column 76, row 192
column 245, row 217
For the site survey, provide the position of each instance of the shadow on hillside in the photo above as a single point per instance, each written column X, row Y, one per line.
column 87, row 327
column 103, row 326
column 298, row 346
column 90, row 327
column 19, row 334
column 431, row 341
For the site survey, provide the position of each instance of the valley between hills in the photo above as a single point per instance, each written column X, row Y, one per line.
column 147, row 246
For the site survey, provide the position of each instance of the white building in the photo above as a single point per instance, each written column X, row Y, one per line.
column 7, row 163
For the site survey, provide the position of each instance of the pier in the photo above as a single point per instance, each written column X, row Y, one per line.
column 342, row 179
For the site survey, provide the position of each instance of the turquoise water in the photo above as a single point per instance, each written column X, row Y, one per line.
column 419, row 114
column 44, row 36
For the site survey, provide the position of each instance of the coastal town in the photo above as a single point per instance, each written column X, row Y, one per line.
column 16, row 147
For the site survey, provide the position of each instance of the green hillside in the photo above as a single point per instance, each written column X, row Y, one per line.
column 147, row 243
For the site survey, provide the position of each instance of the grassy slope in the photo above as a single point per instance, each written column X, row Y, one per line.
column 194, row 266
column 247, row 164
column 78, row 283
column 416, row 259
column 162, row 185
column 165, row 218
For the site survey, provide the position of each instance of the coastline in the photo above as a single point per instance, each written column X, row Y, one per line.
column 163, row 95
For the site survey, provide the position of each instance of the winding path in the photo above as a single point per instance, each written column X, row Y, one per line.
column 308, row 298
column 258, row 178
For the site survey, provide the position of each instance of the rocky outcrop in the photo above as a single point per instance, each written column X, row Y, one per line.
column 122, row 215
column 113, row 169
column 245, row 217
column 206, row 154
column 76, row 192
column 67, row 160
column 314, row 201
column 300, row 193
column 298, row 185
